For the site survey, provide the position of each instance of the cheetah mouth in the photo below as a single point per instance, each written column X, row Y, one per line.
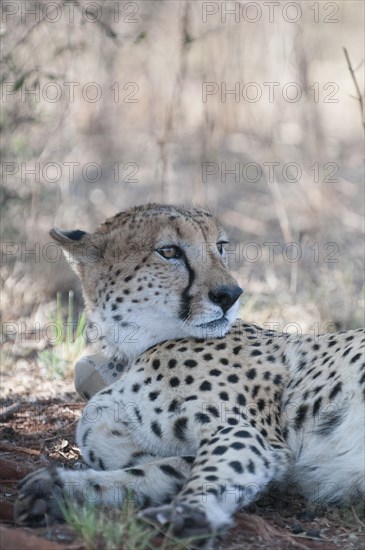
column 216, row 324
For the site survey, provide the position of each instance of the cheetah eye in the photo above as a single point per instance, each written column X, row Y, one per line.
column 170, row 252
column 220, row 247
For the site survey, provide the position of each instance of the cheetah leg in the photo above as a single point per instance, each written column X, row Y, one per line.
column 42, row 492
column 239, row 468
column 94, row 373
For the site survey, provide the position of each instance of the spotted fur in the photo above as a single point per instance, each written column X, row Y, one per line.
column 204, row 420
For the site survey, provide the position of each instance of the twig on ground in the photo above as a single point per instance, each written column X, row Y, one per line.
column 357, row 517
column 9, row 411
column 7, row 447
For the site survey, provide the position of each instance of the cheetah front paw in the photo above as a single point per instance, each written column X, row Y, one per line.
column 40, row 496
column 182, row 521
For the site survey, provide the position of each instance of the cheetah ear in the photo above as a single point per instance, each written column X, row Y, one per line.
column 62, row 236
column 78, row 246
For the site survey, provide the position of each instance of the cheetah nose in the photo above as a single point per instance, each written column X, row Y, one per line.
column 225, row 296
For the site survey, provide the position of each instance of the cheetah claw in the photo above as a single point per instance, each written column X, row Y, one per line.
column 182, row 521
column 40, row 495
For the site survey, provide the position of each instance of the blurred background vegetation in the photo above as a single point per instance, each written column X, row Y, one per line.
column 152, row 136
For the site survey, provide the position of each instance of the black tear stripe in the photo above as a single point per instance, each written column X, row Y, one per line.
column 185, row 298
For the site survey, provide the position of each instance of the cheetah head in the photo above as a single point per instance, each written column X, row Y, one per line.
column 153, row 273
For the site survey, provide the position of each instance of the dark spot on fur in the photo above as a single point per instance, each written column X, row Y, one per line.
column 180, row 426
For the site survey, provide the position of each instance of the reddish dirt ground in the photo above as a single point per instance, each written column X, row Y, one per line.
column 38, row 433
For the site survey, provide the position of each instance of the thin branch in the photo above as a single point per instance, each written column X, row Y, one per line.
column 175, row 98
column 104, row 26
column 358, row 91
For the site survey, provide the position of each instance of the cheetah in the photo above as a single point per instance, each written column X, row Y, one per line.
column 207, row 412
